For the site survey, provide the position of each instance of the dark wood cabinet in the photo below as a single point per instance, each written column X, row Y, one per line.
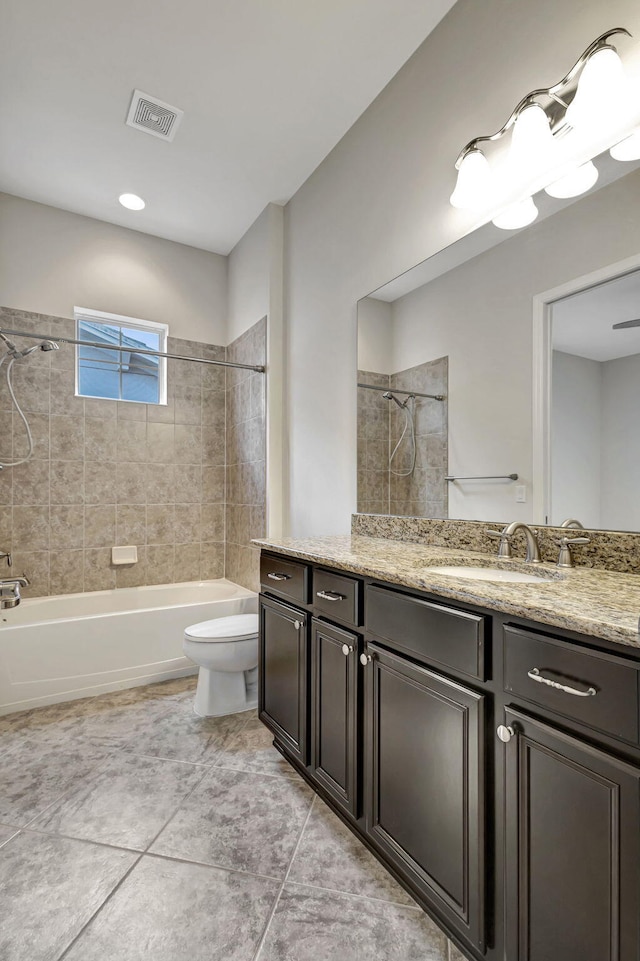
column 335, row 733
column 572, row 847
column 425, row 784
column 283, row 672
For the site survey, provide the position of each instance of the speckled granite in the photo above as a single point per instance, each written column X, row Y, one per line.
column 608, row 550
column 599, row 603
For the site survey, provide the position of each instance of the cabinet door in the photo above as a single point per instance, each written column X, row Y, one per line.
column 572, row 852
column 334, row 712
column 425, row 765
column 283, row 676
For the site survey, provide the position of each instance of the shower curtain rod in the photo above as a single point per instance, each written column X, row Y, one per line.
column 259, row 368
column 396, row 390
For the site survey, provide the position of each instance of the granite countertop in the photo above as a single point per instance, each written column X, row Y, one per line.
column 599, row 603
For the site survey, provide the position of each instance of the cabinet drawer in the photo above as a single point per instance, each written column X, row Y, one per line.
column 337, row 596
column 600, row 690
column 431, row 631
column 284, row 577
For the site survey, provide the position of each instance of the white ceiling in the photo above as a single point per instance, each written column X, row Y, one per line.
column 582, row 324
column 268, row 89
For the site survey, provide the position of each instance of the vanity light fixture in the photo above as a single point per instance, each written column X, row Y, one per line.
column 554, row 133
column 132, row 201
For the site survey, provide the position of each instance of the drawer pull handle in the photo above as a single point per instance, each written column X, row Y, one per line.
column 331, row 596
column 347, row 649
column 278, row 577
column 535, row 675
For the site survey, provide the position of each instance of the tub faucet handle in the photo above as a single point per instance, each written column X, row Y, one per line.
column 7, row 554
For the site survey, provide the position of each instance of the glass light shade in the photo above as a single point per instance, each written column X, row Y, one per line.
column 627, row 149
column 474, row 179
column 600, row 89
column 574, row 183
column 532, row 143
column 520, row 214
column 132, row 201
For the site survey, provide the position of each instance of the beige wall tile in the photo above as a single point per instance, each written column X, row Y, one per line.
column 160, row 444
column 66, row 436
column 35, row 566
column 99, row 575
column 160, row 524
column 130, row 484
column 187, row 562
column 67, row 529
column 133, row 575
column 31, row 483
column 188, row 444
column 188, row 523
column 31, row 528
column 160, row 564
column 131, row 441
column 67, row 482
column 100, row 526
column 66, row 572
column 99, row 482
column 212, row 563
column 131, row 524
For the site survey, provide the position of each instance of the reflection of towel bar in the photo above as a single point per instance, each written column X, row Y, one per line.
column 492, row 477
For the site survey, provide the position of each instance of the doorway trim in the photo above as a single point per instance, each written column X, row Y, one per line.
column 542, row 357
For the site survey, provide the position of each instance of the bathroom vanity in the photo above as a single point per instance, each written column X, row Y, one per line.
column 481, row 738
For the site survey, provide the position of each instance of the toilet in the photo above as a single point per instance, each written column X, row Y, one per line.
column 226, row 650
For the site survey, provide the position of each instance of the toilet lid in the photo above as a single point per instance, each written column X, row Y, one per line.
column 237, row 627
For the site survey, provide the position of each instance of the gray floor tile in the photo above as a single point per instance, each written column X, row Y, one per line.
column 171, row 911
column 6, row 833
column 329, row 856
column 252, row 750
column 454, row 954
column 125, row 803
column 309, row 925
column 49, row 889
column 186, row 737
column 247, row 822
column 33, row 779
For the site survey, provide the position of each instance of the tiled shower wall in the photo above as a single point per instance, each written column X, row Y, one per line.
column 380, row 424
column 109, row 472
column 246, row 475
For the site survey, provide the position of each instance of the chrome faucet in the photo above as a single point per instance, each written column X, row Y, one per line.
column 505, row 535
column 10, row 591
column 572, row 522
column 7, row 554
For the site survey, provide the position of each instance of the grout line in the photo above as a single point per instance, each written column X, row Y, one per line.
column 214, row 867
column 177, row 808
column 77, row 937
column 267, row 925
column 73, row 837
column 358, row 897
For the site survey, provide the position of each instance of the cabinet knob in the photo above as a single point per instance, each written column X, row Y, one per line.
column 297, row 625
column 365, row 659
column 347, row 649
column 505, row 733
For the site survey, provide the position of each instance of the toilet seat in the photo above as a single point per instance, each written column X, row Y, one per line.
column 237, row 627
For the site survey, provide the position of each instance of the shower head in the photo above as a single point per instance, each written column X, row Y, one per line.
column 45, row 345
column 389, row 396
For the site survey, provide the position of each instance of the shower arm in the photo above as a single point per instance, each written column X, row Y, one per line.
column 409, row 393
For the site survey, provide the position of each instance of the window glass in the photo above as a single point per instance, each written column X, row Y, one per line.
column 128, row 374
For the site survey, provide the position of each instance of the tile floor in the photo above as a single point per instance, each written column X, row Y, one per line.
column 131, row 829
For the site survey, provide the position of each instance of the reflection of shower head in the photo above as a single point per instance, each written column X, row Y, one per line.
column 389, row 396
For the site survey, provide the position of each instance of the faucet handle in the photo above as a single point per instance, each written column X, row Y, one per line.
column 565, row 557
column 505, row 548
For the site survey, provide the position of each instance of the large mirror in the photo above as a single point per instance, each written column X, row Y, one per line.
column 503, row 356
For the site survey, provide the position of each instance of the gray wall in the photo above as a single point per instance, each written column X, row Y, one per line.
column 379, row 203
column 52, row 261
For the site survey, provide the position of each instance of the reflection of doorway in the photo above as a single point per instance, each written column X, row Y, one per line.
column 586, row 421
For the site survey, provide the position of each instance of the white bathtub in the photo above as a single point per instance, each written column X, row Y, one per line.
column 60, row 648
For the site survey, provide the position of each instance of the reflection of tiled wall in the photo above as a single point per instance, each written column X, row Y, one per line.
column 424, row 492
column 380, row 425
column 373, row 445
column 246, row 477
column 110, row 472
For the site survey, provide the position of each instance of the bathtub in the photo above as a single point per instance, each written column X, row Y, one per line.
column 76, row 645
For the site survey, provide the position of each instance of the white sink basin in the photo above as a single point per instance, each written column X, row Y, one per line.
column 490, row 574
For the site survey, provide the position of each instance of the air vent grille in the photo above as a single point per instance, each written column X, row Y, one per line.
column 153, row 116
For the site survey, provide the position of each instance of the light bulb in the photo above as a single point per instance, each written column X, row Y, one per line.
column 576, row 182
column 474, row 179
column 520, row 214
column 132, row 201
column 532, row 143
column 600, row 89
column 628, row 149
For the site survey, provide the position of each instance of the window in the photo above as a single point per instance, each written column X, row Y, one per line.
column 127, row 374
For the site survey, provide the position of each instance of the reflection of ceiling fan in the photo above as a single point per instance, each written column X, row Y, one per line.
column 626, row 323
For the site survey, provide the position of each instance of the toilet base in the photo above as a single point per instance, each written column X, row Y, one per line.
column 221, row 692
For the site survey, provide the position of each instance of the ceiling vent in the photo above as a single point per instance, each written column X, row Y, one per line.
column 153, row 116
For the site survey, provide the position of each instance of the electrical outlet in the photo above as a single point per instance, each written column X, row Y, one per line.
column 521, row 494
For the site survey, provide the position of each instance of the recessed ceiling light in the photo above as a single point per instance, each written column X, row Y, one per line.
column 131, row 201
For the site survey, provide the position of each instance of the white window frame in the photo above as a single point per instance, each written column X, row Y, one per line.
column 133, row 323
